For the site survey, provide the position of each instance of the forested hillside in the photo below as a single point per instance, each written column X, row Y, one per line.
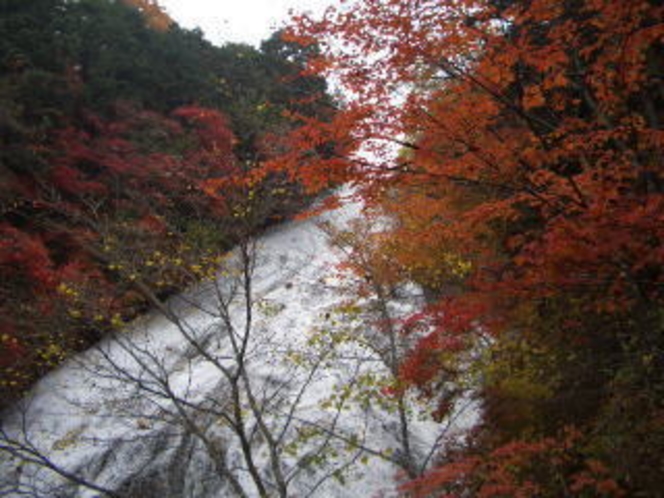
column 127, row 145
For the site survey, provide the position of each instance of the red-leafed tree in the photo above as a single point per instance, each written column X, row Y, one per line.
column 527, row 193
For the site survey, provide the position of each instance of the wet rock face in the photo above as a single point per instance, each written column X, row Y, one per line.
column 163, row 473
column 174, row 469
column 158, row 465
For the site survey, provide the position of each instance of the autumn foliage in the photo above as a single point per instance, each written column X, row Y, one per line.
column 155, row 16
column 517, row 147
column 129, row 162
column 510, row 151
column 547, row 467
column 66, row 240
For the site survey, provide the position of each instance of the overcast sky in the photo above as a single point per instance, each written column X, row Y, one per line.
column 248, row 21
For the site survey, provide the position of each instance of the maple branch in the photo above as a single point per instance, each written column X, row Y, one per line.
column 454, row 70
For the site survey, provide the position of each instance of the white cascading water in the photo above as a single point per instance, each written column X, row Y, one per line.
column 110, row 431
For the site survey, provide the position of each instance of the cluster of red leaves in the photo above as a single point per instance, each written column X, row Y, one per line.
column 92, row 162
column 519, row 469
column 314, row 152
column 446, row 331
column 27, row 254
column 139, row 175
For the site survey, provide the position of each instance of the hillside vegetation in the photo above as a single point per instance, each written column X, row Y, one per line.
column 127, row 145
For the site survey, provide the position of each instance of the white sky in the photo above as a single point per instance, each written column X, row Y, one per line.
column 248, row 21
